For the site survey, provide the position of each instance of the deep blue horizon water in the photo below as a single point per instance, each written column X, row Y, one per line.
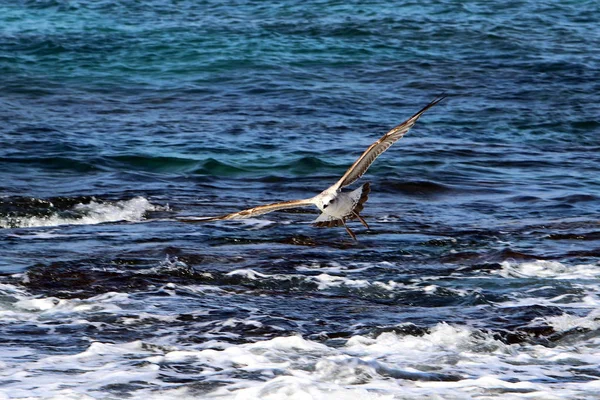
column 479, row 277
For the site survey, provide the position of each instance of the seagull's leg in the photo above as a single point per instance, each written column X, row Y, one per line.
column 348, row 230
column 361, row 219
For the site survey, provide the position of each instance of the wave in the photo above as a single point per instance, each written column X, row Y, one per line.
column 130, row 162
column 417, row 188
column 153, row 163
column 544, row 269
column 46, row 213
column 212, row 166
column 84, row 163
column 306, row 165
column 533, row 322
column 417, row 361
column 55, row 163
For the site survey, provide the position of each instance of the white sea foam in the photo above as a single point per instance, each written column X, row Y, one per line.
column 45, row 234
column 567, row 322
column 548, row 269
column 392, row 367
column 337, row 268
column 323, row 281
column 448, row 362
column 581, row 279
column 92, row 213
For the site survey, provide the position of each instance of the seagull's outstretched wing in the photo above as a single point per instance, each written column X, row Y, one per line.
column 363, row 163
column 253, row 212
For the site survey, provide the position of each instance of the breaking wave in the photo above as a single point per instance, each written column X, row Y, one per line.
column 93, row 212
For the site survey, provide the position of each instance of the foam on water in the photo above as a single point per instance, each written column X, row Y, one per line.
column 549, row 269
column 449, row 359
column 87, row 214
column 567, row 322
column 462, row 359
column 324, row 281
column 581, row 279
column 328, row 282
column 336, row 267
column 444, row 361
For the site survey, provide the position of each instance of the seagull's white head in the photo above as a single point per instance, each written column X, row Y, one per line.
column 326, row 199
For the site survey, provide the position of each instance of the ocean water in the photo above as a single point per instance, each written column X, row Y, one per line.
column 479, row 277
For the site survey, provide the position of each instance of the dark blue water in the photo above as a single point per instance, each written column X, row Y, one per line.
column 479, row 273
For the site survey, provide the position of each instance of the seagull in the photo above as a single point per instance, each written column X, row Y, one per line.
column 336, row 206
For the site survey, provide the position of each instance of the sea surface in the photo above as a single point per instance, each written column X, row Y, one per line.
column 479, row 277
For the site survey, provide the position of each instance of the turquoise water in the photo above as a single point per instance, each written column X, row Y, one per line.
column 479, row 273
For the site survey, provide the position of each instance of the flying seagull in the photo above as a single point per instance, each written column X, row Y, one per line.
column 336, row 206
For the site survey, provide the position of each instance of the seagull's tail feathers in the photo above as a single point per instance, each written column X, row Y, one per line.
column 328, row 221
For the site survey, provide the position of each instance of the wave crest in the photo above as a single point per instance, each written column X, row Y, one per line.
column 94, row 212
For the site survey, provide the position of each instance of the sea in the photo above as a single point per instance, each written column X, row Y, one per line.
column 479, row 275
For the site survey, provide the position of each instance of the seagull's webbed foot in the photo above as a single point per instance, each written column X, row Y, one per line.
column 361, row 219
column 348, row 230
